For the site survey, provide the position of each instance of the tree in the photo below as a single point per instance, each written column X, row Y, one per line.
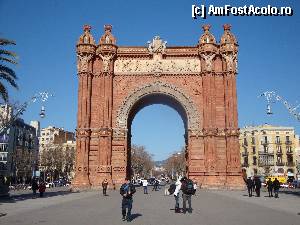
column 6, row 73
column 176, row 163
column 141, row 161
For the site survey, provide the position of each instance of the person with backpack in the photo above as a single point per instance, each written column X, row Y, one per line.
column 257, row 183
column 187, row 187
column 270, row 187
column 127, row 190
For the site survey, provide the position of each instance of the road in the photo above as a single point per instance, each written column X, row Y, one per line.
column 61, row 207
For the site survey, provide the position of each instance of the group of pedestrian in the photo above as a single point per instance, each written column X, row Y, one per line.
column 254, row 184
column 186, row 187
column 41, row 187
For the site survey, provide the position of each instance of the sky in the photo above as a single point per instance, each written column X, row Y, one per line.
column 46, row 33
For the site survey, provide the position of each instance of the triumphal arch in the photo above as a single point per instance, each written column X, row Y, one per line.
column 198, row 81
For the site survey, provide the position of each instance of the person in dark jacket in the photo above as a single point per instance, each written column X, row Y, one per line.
column 257, row 183
column 270, row 187
column 104, row 186
column 249, row 184
column 34, row 187
column 276, row 186
column 127, row 190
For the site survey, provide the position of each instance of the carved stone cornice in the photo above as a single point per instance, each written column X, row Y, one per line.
column 101, row 132
column 214, row 132
column 86, row 49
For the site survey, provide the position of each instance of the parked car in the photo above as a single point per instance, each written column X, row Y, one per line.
column 50, row 185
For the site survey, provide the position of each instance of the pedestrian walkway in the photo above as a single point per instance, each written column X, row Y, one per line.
column 210, row 208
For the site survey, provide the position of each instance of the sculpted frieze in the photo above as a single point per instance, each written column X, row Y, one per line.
column 157, row 65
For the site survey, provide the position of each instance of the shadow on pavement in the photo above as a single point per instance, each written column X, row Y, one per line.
column 23, row 197
column 291, row 192
column 134, row 216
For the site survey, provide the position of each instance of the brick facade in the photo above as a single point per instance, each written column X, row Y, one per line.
column 198, row 81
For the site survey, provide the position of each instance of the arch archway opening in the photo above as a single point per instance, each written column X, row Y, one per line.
column 150, row 100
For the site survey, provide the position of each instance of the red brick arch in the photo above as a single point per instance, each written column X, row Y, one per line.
column 199, row 81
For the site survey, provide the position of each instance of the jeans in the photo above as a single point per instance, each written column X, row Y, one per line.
column 276, row 193
column 126, row 203
column 145, row 190
column 250, row 191
column 104, row 191
column 176, row 202
column 257, row 190
column 270, row 191
column 185, row 198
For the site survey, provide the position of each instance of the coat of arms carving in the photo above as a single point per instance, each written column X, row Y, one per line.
column 157, row 45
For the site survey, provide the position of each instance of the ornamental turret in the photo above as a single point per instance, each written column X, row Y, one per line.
column 107, row 49
column 229, row 49
column 207, row 49
column 85, row 49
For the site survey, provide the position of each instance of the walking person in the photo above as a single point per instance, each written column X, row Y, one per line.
column 187, row 187
column 145, row 186
column 250, row 185
column 270, row 187
column 34, row 187
column 104, row 186
column 257, row 183
column 276, row 186
column 176, row 195
column 127, row 190
column 42, row 188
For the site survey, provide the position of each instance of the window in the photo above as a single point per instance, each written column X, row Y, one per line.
column 253, row 140
column 277, row 139
column 287, row 138
column 265, row 149
column 253, row 150
column 254, row 160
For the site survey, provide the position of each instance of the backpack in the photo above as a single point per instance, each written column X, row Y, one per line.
column 188, row 187
column 172, row 189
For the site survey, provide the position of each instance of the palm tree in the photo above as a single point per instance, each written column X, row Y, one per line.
column 6, row 73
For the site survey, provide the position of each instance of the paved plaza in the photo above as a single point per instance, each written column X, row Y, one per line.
column 61, row 207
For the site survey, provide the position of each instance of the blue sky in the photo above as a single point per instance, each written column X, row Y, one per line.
column 46, row 33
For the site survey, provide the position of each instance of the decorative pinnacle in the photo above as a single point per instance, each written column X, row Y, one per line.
column 108, row 28
column 206, row 27
column 227, row 27
column 87, row 28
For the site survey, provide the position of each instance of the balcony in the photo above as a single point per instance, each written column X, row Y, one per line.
column 278, row 142
column 288, row 142
column 279, row 164
column 245, row 143
column 290, row 164
column 279, row 152
column 245, row 164
column 265, row 142
column 289, row 153
column 265, row 163
column 245, row 153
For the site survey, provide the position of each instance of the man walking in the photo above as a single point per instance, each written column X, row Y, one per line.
column 127, row 190
column 257, row 183
column 145, row 186
column 276, row 186
column 34, row 187
column 249, row 184
column 104, row 186
column 187, row 187
column 270, row 187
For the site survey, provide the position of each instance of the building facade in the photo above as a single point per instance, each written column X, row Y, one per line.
column 269, row 150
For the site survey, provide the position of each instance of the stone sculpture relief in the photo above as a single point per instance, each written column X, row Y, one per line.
column 83, row 62
column 106, row 62
column 208, row 61
column 231, row 61
column 172, row 66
